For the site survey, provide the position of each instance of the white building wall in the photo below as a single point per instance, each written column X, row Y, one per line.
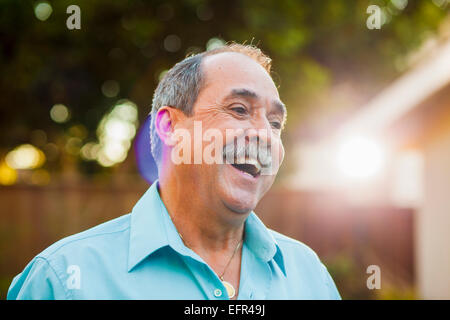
column 433, row 223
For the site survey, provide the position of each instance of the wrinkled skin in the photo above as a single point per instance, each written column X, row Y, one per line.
column 209, row 203
column 222, row 185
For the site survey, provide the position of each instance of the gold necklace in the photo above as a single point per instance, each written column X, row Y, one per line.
column 228, row 286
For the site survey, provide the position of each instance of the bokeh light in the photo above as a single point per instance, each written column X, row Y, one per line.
column 214, row 43
column 110, row 88
column 115, row 132
column 25, row 156
column 59, row 113
column 43, row 10
column 162, row 74
column 73, row 146
column 172, row 43
column 360, row 157
column 8, row 175
column 89, row 151
column 400, row 4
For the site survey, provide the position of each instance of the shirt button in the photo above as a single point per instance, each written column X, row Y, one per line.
column 217, row 293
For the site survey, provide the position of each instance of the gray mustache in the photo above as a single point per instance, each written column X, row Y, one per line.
column 234, row 151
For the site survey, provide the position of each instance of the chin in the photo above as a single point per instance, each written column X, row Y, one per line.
column 239, row 201
column 240, row 207
column 240, row 193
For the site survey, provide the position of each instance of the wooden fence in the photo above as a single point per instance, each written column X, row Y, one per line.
column 347, row 239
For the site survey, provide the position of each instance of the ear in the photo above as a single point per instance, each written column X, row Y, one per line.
column 165, row 122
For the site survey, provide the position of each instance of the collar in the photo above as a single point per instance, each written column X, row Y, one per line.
column 152, row 229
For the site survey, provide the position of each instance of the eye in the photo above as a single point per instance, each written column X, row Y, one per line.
column 276, row 124
column 240, row 109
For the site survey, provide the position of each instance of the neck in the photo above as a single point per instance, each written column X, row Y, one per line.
column 198, row 220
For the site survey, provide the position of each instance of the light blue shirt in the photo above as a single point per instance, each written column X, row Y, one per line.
column 141, row 256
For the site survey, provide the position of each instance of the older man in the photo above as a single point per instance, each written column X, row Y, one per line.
column 194, row 235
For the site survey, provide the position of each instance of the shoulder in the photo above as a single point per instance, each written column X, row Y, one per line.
column 46, row 274
column 96, row 236
column 306, row 264
column 290, row 246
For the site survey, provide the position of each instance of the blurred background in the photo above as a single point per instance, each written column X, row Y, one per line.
column 366, row 177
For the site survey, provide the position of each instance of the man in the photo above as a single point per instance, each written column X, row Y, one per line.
column 194, row 235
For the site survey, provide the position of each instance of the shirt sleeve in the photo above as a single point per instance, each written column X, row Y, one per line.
column 332, row 289
column 38, row 281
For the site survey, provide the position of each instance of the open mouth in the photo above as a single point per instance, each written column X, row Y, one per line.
column 252, row 168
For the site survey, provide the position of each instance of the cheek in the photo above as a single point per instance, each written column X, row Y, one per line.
column 277, row 151
column 281, row 152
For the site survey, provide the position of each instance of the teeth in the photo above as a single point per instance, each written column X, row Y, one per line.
column 247, row 174
column 255, row 163
column 253, row 172
column 240, row 160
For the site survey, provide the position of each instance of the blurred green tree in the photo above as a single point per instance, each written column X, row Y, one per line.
column 315, row 45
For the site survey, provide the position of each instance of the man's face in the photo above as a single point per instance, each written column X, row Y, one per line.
column 237, row 96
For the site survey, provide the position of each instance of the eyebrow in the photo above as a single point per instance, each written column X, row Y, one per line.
column 243, row 93
column 248, row 94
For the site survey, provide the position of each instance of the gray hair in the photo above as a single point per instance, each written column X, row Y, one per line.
column 179, row 88
column 181, row 85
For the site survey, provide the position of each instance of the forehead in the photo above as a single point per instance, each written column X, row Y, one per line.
column 227, row 70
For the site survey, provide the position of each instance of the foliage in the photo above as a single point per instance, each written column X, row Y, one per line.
column 315, row 46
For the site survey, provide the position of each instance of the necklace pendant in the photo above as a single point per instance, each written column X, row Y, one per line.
column 230, row 289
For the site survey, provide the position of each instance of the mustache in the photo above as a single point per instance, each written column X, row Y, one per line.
column 235, row 151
